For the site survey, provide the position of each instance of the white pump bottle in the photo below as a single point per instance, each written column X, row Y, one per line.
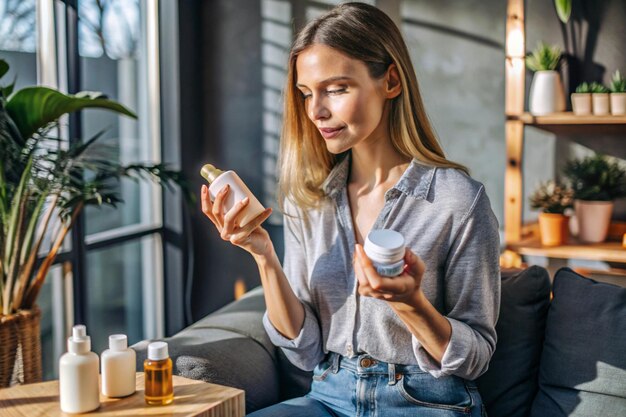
column 78, row 374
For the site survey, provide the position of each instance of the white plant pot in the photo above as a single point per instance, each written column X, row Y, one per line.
column 546, row 93
column 600, row 103
column 594, row 218
column 618, row 104
column 581, row 103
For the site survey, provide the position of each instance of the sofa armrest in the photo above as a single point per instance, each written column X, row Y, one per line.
column 228, row 347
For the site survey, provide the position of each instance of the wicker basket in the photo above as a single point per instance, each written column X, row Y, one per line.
column 20, row 348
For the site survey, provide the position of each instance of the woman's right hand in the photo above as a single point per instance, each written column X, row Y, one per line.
column 252, row 237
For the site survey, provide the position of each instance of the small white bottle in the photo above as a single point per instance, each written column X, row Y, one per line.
column 78, row 374
column 238, row 191
column 385, row 248
column 118, row 368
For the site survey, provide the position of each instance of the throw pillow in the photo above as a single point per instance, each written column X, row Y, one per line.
column 510, row 384
column 583, row 364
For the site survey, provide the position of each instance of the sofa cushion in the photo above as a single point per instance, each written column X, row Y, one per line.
column 583, row 364
column 510, row 384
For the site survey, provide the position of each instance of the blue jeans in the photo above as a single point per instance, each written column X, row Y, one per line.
column 364, row 387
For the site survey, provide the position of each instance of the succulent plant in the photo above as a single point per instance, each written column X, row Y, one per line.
column 618, row 83
column 544, row 58
column 583, row 88
column 598, row 88
column 552, row 197
column 596, row 178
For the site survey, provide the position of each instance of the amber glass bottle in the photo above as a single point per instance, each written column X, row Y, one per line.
column 159, row 388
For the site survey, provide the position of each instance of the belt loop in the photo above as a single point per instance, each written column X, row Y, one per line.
column 392, row 373
column 336, row 358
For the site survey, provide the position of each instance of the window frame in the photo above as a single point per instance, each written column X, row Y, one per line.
column 58, row 66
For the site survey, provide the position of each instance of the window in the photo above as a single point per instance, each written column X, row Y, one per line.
column 110, row 275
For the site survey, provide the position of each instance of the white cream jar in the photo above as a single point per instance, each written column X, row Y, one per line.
column 385, row 248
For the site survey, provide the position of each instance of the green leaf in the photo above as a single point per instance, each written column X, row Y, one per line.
column 33, row 108
column 30, row 230
column 4, row 67
column 13, row 226
column 3, row 196
column 563, row 9
column 6, row 91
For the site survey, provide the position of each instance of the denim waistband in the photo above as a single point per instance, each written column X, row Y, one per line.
column 364, row 364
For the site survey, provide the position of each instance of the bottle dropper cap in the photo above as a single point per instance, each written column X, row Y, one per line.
column 79, row 342
column 157, row 351
column 118, row 342
column 209, row 172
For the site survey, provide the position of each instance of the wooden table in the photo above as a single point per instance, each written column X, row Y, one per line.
column 191, row 398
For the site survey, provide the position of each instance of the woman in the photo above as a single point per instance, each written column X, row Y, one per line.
column 357, row 154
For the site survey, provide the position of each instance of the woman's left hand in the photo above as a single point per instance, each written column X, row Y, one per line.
column 401, row 288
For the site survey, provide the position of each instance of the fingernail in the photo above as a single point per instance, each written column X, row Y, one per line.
column 245, row 200
column 204, row 189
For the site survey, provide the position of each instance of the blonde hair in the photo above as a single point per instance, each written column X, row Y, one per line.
column 304, row 162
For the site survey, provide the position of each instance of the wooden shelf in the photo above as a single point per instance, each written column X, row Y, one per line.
column 606, row 251
column 569, row 123
column 523, row 239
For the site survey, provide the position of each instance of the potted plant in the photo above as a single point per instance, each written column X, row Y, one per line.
column 581, row 99
column 618, row 94
column 596, row 182
column 45, row 183
column 546, row 89
column 552, row 198
column 599, row 99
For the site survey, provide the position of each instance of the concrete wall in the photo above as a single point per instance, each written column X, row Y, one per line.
column 457, row 50
column 222, row 109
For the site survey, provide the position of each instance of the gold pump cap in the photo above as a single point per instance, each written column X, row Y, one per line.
column 209, row 172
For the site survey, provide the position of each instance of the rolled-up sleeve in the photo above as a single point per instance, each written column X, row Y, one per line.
column 472, row 296
column 305, row 351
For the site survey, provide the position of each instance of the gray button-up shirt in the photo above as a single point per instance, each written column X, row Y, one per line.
column 446, row 219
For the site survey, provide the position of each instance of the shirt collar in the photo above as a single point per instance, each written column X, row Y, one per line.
column 415, row 181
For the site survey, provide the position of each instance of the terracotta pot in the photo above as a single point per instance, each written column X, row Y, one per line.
column 600, row 103
column 618, row 104
column 581, row 103
column 20, row 348
column 553, row 229
column 546, row 93
column 594, row 218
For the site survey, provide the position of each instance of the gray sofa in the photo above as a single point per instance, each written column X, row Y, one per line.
column 559, row 357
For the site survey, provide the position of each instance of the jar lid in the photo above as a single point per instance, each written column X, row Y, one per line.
column 384, row 242
column 157, row 351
